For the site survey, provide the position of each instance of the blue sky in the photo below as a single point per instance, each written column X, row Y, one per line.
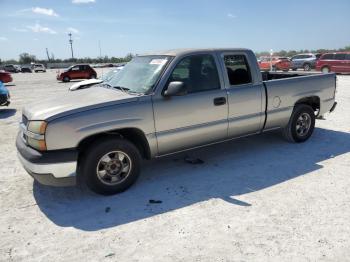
column 141, row 26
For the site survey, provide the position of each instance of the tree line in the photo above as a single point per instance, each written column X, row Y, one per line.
column 26, row 58
column 290, row 53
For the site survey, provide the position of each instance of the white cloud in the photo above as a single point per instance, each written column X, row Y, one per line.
column 83, row 1
column 73, row 30
column 19, row 29
column 37, row 28
column 3, row 39
column 231, row 15
column 44, row 11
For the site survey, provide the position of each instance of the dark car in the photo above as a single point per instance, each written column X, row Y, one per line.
column 5, row 77
column 334, row 62
column 77, row 72
column 26, row 69
column 4, row 95
column 11, row 68
column 304, row 61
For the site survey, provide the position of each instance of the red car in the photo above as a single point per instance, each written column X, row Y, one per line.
column 5, row 77
column 334, row 62
column 77, row 72
column 278, row 63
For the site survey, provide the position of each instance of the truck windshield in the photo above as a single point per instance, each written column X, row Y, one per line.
column 140, row 74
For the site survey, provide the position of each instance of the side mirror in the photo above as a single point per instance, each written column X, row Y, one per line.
column 175, row 88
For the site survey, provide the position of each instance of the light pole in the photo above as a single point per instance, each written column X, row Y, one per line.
column 71, row 44
column 271, row 54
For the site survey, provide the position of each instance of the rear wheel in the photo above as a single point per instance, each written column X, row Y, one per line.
column 325, row 69
column 307, row 67
column 111, row 165
column 301, row 124
column 92, row 77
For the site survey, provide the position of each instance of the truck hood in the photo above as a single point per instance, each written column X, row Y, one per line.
column 75, row 102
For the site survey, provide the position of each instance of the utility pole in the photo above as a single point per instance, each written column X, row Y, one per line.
column 47, row 53
column 71, row 44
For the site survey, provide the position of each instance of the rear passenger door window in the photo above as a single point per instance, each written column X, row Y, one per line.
column 339, row 56
column 237, row 69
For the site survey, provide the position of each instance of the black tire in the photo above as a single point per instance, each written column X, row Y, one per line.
column 92, row 159
column 294, row 69
column 291, row 133
column 92, row 77
column 285, row 70
column 66, row 79
column 307, row 67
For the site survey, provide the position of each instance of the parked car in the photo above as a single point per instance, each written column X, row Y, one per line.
column 334, row 62
column 11, row 68
column 160, row 104
column 5, row 77
column 82, row 71
column 39, row 68
column 4, row 95
column 26, row 69
column 278, row 63
column 90, row 82
column 304, row 61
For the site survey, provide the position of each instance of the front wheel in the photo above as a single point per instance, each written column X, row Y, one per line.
column 111, row 165
column 301, row 124
column 325, row 70
column 66, row 79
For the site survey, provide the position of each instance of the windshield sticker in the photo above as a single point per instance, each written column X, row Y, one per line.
column 157, row 62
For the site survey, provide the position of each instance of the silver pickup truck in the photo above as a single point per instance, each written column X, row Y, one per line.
column 162, row 103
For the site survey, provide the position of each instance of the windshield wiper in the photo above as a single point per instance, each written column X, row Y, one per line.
column 124, row 89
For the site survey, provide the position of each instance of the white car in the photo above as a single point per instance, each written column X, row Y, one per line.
column 104, row 78
column 39, row 68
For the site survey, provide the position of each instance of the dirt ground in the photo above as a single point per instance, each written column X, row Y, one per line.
column 254, row 199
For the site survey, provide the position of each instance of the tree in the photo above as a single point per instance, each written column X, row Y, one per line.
column 26, row 58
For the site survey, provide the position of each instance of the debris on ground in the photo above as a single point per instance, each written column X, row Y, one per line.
column 193, row 161
column 152, row 201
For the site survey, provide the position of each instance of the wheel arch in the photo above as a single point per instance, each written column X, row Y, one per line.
column 313, row 101
column 133, row 135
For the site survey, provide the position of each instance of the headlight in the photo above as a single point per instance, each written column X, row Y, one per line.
column 36, row 134
column 37, row 127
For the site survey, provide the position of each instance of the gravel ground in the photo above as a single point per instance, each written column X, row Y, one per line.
column 254, row 199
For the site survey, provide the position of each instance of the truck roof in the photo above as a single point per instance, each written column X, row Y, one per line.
column 186, row 51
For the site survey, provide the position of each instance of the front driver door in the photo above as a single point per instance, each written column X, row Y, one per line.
column 200, row 116
column 74, row 72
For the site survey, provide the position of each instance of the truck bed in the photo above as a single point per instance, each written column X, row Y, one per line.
column 284, row 90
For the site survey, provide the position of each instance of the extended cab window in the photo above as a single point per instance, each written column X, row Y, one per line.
column 237, row 68
column 198, row 72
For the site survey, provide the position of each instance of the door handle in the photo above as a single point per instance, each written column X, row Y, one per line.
column 218, row 101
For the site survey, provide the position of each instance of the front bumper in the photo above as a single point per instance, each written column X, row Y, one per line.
column 53, row 168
